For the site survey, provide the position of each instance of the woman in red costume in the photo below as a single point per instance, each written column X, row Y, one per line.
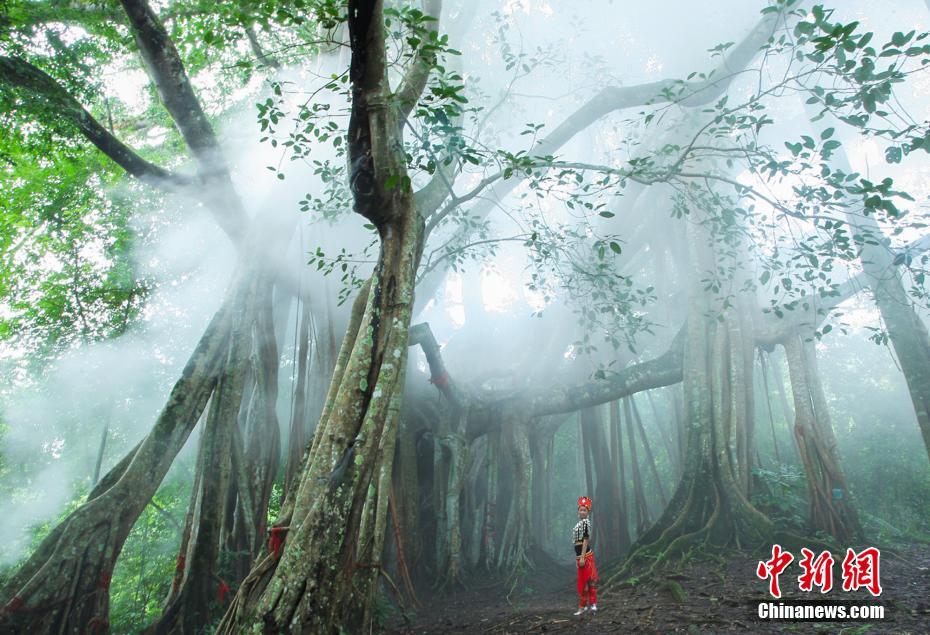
column 584, row 559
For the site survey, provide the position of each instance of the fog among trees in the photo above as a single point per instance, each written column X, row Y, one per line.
column 319, row 316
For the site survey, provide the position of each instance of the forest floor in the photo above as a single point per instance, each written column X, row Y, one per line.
column 719, row 597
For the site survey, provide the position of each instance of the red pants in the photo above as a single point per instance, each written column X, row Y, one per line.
column 587, row 580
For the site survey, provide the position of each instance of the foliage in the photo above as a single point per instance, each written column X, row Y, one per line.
column 780, row 493
column 143, row 574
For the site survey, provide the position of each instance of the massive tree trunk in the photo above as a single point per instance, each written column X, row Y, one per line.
column 906, row 330
column 237, row 464
column 192, row 606
column 831, row 507
column 311, row 589
column 63, row 586
column 711, row 504
column 331, row 555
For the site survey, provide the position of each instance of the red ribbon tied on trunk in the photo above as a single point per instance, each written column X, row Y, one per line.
column 441, row 382
column 178, row 572
column 276, row 540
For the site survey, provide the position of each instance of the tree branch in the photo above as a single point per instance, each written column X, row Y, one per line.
column 37, row 87
column 263, row 58
column 177, row 95
column 664, row 370
column 422, row 335
column 689, row 94
column 775, row 330
column 417, row 74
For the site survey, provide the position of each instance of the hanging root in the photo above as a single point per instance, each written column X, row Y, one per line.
column 517, row 575
column 397, row 594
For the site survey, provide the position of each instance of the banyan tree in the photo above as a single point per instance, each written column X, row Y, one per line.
column 675, row 239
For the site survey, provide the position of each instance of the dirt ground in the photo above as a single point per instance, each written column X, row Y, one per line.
column 719, row 598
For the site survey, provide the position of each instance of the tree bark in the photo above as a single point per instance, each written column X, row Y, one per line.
column 324, row 572
column 831, row 507
column 63, row 587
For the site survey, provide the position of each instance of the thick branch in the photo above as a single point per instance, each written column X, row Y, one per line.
column 165, row 66
column 87, row 12
column 689, row 94
column 263, row 58
column 37, row 87
column 664, row 370
column 418, row 73
column 174, row 87
column 68, row 11
column 422, row 335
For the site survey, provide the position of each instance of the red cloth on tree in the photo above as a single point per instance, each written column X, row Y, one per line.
column 276, row 540
column 441, row 382
column 178, row 572
column 221, row 592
